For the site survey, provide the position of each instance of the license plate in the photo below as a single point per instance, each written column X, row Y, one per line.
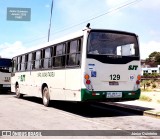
column 6, row 85
column 114, row 94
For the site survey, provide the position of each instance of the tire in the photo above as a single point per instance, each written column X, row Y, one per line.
column 45, row 96
column 17, row 91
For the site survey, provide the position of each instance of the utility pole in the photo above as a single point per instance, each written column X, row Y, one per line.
column 50, row 22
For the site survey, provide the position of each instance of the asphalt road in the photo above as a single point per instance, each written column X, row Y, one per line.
column 29, row 114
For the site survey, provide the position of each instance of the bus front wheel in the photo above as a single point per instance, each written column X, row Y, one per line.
column 17, row 90
column 45, row 96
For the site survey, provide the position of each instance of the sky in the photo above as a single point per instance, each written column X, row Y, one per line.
column 137, row 16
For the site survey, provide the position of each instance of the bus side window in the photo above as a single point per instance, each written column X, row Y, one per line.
column 23, row 63
column 29, row 62
column 73, row 53
column 59, row 58
column 38, row 59
column 26, row 58
column 19, row 63
column 79, row 51
column 47, row 58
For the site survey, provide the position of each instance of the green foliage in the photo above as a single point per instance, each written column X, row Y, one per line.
column 154, row 85
column 151, row 75
column 153, row 54
column 153, row 59
column 148, row 83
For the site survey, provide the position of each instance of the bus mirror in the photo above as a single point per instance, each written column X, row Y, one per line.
column 10, row 69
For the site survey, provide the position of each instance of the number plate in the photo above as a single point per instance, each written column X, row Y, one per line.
column 114, row 94
column 6, row 85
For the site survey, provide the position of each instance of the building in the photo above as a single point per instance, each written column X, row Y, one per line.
column 148, row 69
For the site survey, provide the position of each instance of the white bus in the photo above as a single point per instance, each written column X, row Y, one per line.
column 5, row 75
column 91, row 65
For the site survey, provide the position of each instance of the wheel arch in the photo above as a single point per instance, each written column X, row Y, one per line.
column 42, row 87
column 16, row 84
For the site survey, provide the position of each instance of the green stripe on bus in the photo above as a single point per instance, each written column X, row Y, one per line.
column 87, row 95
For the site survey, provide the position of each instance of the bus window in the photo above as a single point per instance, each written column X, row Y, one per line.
column 112, row 44
column 60, row 49
column 23, row 63
column 29, row 62
column 26, row 59
column 38, row 60
column 19, row 63
column 47, row 60
column 59, row 60
column 73, row 57
column 126, row 50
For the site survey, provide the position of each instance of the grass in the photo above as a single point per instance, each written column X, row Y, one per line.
column 145, row 98
column 158, row 101
column 146, row 90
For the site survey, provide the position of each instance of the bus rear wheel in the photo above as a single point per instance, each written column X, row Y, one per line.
column 45, row 96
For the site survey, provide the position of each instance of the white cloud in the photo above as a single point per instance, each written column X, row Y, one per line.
column 9, row 50
column 147, row 48
column 148, row 4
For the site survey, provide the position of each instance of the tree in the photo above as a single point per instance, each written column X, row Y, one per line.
column 157, row 58
column 143, row 83
column 153, row 59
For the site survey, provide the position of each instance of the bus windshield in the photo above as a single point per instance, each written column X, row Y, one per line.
column 112, row 43
column 4, row 65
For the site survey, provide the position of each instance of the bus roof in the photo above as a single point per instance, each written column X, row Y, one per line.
column 114, row 31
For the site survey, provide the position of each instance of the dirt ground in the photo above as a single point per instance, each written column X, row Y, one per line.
column 155, row 96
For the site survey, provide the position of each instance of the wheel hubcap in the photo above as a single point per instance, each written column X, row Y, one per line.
column 45, row 96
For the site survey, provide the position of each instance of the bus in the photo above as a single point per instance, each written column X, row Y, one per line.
column 5, row 75
column 90, row 65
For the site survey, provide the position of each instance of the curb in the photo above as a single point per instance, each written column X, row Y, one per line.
column 136, row 109
column 128, row 108
column 152, row 113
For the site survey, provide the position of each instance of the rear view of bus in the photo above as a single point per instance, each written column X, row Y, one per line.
column 112, row 66
column 5, row 75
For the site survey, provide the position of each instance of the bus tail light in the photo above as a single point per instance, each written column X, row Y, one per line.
column 138, row 79
column 88, row 82
column 137, row 82
column 86, row 76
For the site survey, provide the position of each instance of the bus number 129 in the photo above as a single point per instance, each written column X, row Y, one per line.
column 115, row 77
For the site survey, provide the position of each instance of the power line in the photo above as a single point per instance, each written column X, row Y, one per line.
column 85, row 21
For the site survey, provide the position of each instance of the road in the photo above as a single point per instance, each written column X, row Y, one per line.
column 29, row 114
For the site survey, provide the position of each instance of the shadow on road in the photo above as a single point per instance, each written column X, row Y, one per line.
column 6, row 93
column 90, row 110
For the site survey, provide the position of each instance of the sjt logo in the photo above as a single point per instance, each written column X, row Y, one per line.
column 132, row 67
